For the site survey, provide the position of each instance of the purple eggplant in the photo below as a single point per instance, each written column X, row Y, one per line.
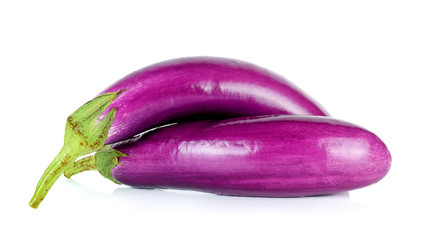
column 271, row 156
column 201, row 87
column 173, row 91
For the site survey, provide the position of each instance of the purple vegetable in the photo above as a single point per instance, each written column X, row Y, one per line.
column 173, row 91
column 201, row 87
column 274, row 156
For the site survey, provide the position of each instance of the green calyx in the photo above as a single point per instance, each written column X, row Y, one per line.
column 103, row 160
column 106, row 159
column 84, row 134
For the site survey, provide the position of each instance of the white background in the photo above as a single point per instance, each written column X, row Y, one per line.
column 366, row 62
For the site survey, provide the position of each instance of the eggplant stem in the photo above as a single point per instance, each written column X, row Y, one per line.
column 104, row 160
column 81, row 165
column 84, row 133
column 61, row 162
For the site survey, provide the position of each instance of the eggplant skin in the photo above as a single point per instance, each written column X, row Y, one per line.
column 201, row 88
column 267, row 156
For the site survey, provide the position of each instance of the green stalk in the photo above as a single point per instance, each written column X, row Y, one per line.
column 84, row 134
column 103, row 160
column 82, row 165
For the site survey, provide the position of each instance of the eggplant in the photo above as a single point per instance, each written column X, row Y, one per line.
column 177, row 90
column 201, row 88
column 264, row 156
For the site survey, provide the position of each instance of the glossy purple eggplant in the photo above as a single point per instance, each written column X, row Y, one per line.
column 271, row 156
column 173, row 91
column 201, row 88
